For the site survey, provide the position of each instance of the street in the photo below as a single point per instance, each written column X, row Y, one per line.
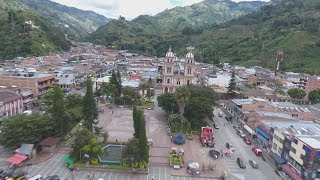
column 225, row 134
column 56, row 166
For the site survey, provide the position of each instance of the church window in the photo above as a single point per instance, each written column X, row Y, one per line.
column 178, row 82
column 188, row 81
column 168, row 81
column 168, row 70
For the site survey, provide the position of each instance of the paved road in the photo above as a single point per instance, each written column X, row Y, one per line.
column 228, row 134
column 56, row 166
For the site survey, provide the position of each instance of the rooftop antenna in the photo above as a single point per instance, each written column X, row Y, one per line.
column 279, row 59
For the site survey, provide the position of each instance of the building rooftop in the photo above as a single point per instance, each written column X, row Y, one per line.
column 313, row 141
column 296, row 127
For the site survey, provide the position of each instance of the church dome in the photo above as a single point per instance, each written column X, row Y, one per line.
column 170, row 54
column 190, row 55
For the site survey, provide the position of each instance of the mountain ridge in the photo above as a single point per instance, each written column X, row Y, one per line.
column 141, row 33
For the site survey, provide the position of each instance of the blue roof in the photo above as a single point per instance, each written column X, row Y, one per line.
column 263, row 133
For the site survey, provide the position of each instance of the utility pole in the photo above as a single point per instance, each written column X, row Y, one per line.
column 279, row 59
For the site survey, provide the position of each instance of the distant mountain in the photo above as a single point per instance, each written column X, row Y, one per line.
column 75, row 22
column 292, row 26
column 25, row 33
column 142, row 33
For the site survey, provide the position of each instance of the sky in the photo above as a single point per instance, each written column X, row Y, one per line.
column 127, row 8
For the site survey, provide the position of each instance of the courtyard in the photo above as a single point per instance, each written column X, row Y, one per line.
column 118, row 122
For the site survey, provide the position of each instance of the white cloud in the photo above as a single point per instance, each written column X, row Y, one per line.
column 127, row 8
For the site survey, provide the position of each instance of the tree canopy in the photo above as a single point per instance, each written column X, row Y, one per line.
column 25, row 129
column 90, row 108
column 314, row 96
column 296, row 93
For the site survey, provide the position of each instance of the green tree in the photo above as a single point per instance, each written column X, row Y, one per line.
column 182, row 96
column 232, row 87
column 82, row 138
column 197, row 110
column 114, row 81
column 119, row 82
column 168, row 103
column 131, row 152
column 93, row 149
column 143, row 137
column 54, row 100
column 90, row 109
column 296, row 93
column 314, row 96
column 25, row 129
column 136, row 125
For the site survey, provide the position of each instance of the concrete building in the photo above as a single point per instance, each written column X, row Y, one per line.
column 246, row 110
column 309, row 83
column 65, row 80
column 38, row 83
column 299, row 144
column 176, row 72
column 10, row 103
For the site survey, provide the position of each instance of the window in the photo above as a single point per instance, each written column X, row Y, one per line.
column 178, row 82
column 188, row 81
column 274, row 146
column 168, row 81
column 280, row 150
column 293, row 150
column 295, row 141
column 168, row 70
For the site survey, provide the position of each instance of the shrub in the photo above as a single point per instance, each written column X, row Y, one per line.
column 94, row 161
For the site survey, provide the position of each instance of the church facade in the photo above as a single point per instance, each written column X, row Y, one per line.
column 177, row 72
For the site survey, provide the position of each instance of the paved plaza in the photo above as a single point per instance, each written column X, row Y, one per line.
column 117, row 122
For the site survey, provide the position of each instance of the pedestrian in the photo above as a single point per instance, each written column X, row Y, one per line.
column 112, row 112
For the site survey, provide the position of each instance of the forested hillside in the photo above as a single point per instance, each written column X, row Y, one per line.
column 72, row 21
column 144, row 33
column 25, row 33
column 292, row 26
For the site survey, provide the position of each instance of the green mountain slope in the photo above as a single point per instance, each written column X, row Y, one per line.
column 74, row 22
column 21, row 37
column 143, row 33
column 292, row 26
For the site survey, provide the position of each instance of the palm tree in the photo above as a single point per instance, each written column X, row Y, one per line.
column 182, row 96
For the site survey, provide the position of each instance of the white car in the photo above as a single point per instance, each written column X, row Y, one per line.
column 220, row 114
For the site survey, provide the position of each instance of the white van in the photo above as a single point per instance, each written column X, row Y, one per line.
column 37, row 177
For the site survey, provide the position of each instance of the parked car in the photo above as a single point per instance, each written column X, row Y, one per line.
column 257, row 151
column 247, row 140
column 6, row 173
column 229, row 146
column 241, row 163
column 216, row 126
column 253, row 164
column 220, row 114
column 236, row 127
column 239, row 132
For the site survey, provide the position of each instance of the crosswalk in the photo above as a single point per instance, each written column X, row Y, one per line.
column 231, row 162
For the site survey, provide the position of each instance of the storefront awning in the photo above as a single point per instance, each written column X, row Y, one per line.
column 246, row 127
column 278, row 158
column 259, row 131
column 17, row 159
column 291, row 172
